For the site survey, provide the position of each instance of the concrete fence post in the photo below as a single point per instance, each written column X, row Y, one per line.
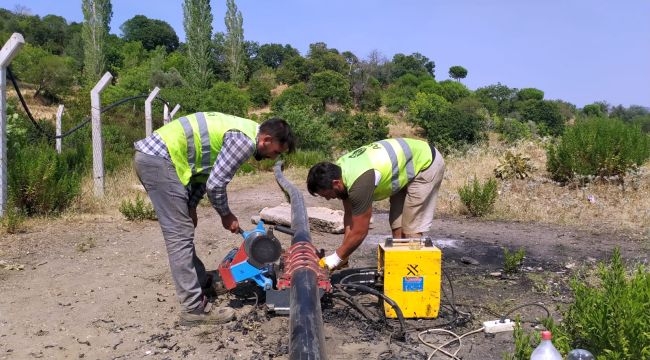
column 59, row 115
column 7, row 53
column 98, row 152
column 147, row 111
column 174, row 111
column 165, row 114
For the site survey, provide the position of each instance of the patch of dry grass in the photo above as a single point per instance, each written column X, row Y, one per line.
column 538, row 199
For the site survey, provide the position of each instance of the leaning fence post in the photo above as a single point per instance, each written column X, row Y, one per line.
column 59, row 115
column 98, row 153
column 165, row 114
column 147, row 111
column 174, row 110
column 7, row 53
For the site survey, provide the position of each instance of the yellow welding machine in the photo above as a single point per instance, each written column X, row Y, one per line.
column 411, row 271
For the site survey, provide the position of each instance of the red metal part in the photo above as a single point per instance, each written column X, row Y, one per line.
column 302, row 255
column 224, row 268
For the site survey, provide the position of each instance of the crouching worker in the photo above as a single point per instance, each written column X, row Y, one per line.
column 408, row 171
column 177, row 165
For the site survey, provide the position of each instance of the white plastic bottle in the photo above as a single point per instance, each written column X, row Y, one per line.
column 545, row 350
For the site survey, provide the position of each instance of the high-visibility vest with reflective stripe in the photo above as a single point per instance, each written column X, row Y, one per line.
column 195, row 140
column 397, row 160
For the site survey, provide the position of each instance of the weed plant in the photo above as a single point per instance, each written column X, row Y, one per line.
column 512, row 260
column 137, row 210
column 513, row 166
column 479, row 198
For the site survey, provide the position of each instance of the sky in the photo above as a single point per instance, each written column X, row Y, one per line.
column 579, row 51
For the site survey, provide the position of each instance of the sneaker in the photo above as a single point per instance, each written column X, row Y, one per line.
column 207, row 315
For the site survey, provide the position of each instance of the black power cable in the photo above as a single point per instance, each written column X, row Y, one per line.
column 85, row 121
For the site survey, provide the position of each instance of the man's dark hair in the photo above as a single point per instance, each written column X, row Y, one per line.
column 321, row 175
column 280, row 131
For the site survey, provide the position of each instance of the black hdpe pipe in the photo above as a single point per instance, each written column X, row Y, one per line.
column 307, row 341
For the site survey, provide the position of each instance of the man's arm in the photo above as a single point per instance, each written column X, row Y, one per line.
column 356, row 230
column 236, row 149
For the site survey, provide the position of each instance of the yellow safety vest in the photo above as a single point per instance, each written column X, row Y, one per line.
column 397, row 160
column 195, row 140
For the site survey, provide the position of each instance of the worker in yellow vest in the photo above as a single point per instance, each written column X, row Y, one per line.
column 408, row 171
column 178, row 164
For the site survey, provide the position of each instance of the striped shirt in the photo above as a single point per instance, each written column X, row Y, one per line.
column 236, row 149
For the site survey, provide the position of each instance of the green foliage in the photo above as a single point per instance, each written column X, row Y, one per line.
column 312, row 133
column 12, row 220
column 294, row 70
column 226, row 98
column 525, row 342
column 304, row 159
column 611, row 318
column 414, row 64
column 445, row 125
column 197, row 22
column 452, row 91
column 513, row 166
column 497, row 98
column 457, row 72
column 530, row 94
column 260, row 86
column 235, row 43
column 97, row 17
column 360, row 129
column 597, row 147
column 399, row 94
column 150, row 32
column 41, row 182
column 330, row 87
column 512, row 260
column 137, row 210
column 545, row 113
column 295, row 97
column 511, row 130
column 479, row 198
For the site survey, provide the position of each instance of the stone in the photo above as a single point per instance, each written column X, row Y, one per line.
column 320, row 218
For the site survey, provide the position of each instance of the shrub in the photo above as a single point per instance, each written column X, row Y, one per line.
column 137, row 210
column 611, row 318
column 304, row 158
column 512, row 260
column 512, row 130
column 479, row 198
column 597, row 147
column 513, row 166
column 41, row 182
column 12, row 220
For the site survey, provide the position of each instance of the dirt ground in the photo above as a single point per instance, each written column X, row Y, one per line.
column 99, row 287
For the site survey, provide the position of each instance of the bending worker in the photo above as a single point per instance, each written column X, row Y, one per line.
column 408, row 171
column 177, row 165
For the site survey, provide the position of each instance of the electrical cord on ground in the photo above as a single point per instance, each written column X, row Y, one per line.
column 388, row 300
column 437, row 348
column 83, row 122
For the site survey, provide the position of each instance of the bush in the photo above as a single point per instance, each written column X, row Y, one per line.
column 610, row 319
column 597, row 147
column 512, row 260
column 479, row 198
column 41, row 182
column 513, row 166
column 511, row 130
column 137, row 210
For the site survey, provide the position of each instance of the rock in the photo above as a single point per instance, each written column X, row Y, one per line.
column 469, row 260
column 320, row 218
column 495, row 274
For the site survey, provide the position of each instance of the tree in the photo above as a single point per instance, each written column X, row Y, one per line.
column 150, row 32
column 235, row 42
column 330, row 87
column 97, row 17
column 416, row 64
column 197, row 22
column 457, row 72
column 530, row 94
column 497, row 98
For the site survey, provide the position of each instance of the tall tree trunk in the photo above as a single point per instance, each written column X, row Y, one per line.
column 235, row 42
column 97, row 17
column 197, row 21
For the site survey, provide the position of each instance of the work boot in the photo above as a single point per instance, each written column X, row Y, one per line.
column 206, row 314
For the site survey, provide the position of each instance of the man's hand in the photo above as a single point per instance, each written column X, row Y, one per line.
column 330, row 262
column 230, row 222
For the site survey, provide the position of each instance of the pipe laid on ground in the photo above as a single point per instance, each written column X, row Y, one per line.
column 305, row 317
